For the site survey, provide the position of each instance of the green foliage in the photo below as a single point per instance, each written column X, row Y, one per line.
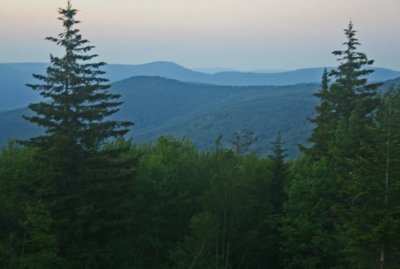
column 236, row 226
column 309, row 223
column 349, row 96
column 323, row 121
column 15, row 170
column 351, row 91
column 354, row 134
column 167, row 187
column 279, row 171
column 371, row 217
column 39, row 248
column 85, row 188
column 360, row 161
column 27, row 239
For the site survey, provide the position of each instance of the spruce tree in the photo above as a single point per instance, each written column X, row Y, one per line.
column 351, row 91
column 276, row 196
column 89, row 180
column 322, row 121
column 76, row 98
column 371, row 223
column 354, row 102
column 279, row 170
column 352, row 150
column 350, row 95
column 344, row 143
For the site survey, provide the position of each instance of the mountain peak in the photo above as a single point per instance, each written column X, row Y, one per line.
column 163, row 63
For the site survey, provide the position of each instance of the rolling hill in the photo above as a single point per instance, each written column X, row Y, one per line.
column 200, row 112
column 15, row 94
column 203, row 112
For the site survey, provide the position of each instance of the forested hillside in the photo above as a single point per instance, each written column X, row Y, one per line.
column 200, row 112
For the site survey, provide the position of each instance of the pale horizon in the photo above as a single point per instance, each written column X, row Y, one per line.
column 237, row 34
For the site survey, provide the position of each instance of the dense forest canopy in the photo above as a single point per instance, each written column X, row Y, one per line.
column 83, row 196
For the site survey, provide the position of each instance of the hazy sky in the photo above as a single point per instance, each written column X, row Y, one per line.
column 243, row 34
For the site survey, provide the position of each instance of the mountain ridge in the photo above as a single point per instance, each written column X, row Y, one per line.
column 199, row 112
column 202, row 112
column 14, row 76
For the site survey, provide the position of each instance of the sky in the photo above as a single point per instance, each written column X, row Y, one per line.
column 239, row 34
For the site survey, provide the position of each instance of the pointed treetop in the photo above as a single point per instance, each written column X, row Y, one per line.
column 278, row 149
column 350, row 27
column 78, row 102
column 67, row 15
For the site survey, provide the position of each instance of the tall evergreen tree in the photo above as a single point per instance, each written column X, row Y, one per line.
column 352, row 151
column 349, row 96
column 87, row 188
column 344, row 144
column 351, row 90
column 276, row 196
column 354, row 101
column 279, row 177
column 389, row 118
column 371, row 222
column 323, row 121
column 76, row 97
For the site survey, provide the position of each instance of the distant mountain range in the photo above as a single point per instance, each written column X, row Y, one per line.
column 197, row 110
column 13, row 77
column 202, row 112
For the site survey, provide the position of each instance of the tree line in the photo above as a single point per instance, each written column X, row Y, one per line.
column 83, row 196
